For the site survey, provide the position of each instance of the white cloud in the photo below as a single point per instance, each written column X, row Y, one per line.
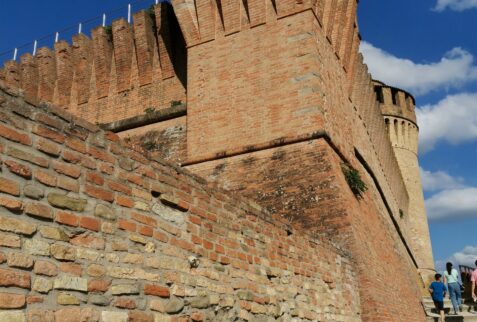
column 454, row 69
column 453, row 119
column 453, row 203
column 466, row 256
column 456, row 5
column 439, row 180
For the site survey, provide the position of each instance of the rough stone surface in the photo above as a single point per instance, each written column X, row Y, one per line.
column 66, row 202
column 71, row 283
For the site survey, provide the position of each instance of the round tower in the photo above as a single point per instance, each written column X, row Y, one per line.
column 398, row 110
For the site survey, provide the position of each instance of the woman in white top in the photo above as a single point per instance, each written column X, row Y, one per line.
column 451, row 278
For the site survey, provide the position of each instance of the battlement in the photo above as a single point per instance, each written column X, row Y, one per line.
column 395, row 102
column 116, row 74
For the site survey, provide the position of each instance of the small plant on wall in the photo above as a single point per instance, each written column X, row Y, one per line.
column 353, row 178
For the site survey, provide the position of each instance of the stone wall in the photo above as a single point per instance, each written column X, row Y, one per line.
column 93, row 231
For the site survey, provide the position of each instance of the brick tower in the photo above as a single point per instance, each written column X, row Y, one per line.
column 397, row 107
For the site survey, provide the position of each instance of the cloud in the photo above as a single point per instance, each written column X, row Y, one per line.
column 439, row 180
column 453, row 119
column 466, row 256
column 454, row 69
column 456, row 5
column 452, row 203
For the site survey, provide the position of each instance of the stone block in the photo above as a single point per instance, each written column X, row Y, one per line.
column 12, row 316
column 42, row 285
column 109, row 316
column 20, row 260
column 71, row 283
column 36, row 247
column 65, row 202
column 62, row 252
column 125, row 289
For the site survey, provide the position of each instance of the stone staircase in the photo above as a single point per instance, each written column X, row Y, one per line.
column 469, row 313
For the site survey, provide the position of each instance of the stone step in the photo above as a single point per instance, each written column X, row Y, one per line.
column 469, row 313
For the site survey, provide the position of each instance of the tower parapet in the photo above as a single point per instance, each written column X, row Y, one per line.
column 398, row 109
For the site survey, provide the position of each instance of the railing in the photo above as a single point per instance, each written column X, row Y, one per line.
column 82, row 27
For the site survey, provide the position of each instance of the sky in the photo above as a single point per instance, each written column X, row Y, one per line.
column 428, row 47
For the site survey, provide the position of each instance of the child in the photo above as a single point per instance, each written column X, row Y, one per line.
column 438, row 292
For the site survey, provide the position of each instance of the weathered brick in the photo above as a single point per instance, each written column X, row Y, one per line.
column 45, row 268
column 72, row 314
column 76, row 145
column 48, row 147
column 90, row 223
column 99, row 193
column 157, row 290
column 98, row 285
column 27, row 156
column 9, row 278
column 127, row 225
column 66, row 218
column 19, row 260
column 33, row 192
column 36, row 247
column 39, row 210
column 42, row 285
column 67, row 169
column 68, row 184
column 11, row 301
column 11, row 204
column 71, row 283
column 8, row 240
column 48, row 179
column 9, row 186
column 88, row 240
column 94, row 178
column 40, row 315
column 125, row 303
column 53, row 233
column 14, row 135
column 19, row 169
column 66, row 202
column 124, row 201
column 16, row 225
column 49, row 134
column 138, row 316
column 71, row 268
column 62, row 252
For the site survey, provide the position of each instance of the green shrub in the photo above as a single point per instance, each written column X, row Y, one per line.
column 353, row 178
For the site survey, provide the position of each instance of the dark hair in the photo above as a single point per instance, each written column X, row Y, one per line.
column 475, row 263
column 449, row 267
column 437, row 276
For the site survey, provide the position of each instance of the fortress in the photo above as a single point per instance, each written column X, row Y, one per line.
column 216, row 160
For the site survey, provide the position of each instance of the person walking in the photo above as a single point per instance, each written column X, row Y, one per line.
column 451, row 278
column 438, row 293
column 473, row 279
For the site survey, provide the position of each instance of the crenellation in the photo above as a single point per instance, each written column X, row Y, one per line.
column 123, row 54
column 103, row 56
column 145, row 44
column 64, row 72
column 29, row 77
column 82, row 57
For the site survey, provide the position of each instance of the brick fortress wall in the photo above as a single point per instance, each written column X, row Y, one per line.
column 93, row 231
column 278, row 98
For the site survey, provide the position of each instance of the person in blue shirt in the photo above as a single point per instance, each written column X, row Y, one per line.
column 438, row 292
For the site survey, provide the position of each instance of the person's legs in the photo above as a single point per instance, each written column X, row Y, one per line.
column 453, row 295
column 443, row 317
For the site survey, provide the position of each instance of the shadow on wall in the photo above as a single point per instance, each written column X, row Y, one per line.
column 177, row 47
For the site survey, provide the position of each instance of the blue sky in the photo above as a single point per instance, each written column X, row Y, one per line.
column 428, row 47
